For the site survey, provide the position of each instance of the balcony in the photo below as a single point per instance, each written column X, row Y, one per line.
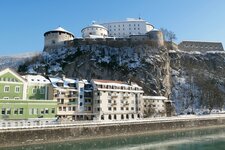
column 126, row 103
column 72, row 95
column 114, row 95
column 113, row 103
column 126, row 96
column 59, row 95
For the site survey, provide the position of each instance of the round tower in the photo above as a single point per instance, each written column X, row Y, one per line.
column 57, row 37
column 156, row 36
column 94, row 31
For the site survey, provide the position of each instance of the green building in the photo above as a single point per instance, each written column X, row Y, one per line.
column 24, row 98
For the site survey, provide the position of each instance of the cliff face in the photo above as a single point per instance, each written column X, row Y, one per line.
column 198, row 81
column 143, row 64
column 194, row 81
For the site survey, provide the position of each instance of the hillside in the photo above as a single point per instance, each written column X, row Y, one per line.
column 15, row 61
column 194, row 81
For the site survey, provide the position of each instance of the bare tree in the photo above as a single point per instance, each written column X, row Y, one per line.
column 168, row 35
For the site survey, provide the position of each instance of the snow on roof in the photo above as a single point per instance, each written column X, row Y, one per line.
column 36, row 79
column 65, row 81
column 113, row 82
column 95, row 26
column 154, row 97
column 98, row 81
column 86, row 81
column 59, row 29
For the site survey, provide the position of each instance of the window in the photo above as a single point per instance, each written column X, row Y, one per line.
column 21, row 111
column 53, row 110
column 114, row 108
column 3, row 111
column 109, row 101
column 89, row 108
column 5, row 97
column 132, row 108
column 46, row 110
column 121, row 108
column 42, row 111
column 6, row 88
column 16, row 111
column 42, row 90
column 34, row 90
column 74, row 108
column 17, row 89
column 16, row 98
column 64, row 108
column 110, row 108
column 69, row 108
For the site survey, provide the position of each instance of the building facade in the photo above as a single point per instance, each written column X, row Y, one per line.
column 115, row 100
column 156, row 106
column 18, row 106
column 74, row 102
column 128, row 27
column 12, row 85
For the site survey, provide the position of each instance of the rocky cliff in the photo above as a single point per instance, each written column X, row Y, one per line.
column 194, row 81
column 198, row 81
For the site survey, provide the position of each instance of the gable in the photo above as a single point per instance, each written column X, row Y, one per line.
column 8, row 75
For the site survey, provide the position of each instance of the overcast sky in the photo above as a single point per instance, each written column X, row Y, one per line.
column 23, row 22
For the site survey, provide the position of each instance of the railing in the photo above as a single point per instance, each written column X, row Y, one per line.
column 72, row 95
column 112, row 122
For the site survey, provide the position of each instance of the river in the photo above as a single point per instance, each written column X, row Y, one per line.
column 201, row 139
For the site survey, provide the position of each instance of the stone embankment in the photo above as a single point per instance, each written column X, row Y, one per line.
column 66, row 132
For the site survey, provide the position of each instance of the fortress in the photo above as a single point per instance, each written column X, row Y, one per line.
column 126, row 32
column 129, row 30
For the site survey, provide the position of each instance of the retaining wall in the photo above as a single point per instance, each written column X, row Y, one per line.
column 15, row 137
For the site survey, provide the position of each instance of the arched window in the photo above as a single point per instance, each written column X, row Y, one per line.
column 127, row 116
column 102, row 117
column 132, row 116
column 115, row 117
column 122, row 117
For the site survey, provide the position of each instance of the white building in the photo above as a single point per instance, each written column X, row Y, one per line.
column 154, row 106
column 57, row 37
column 116, row 100
column 128, row 27
column 94, row 31
column 74, row 98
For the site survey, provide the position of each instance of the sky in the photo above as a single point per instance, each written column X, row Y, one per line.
column 23, row 22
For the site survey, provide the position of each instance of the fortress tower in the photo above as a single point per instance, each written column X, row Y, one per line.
column 56, row 38
column 94, row 31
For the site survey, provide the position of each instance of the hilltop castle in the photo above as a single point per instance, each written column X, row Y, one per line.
column 134, row 30
column 130, row 29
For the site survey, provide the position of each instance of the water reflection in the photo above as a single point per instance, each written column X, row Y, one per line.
column 204, row 139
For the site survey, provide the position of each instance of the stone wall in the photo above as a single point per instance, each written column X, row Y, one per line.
column 200, row 46
column 18, row 137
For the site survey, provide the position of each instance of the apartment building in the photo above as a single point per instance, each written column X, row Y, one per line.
column 74, row 98
column 156, row 106
column 116, row 100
